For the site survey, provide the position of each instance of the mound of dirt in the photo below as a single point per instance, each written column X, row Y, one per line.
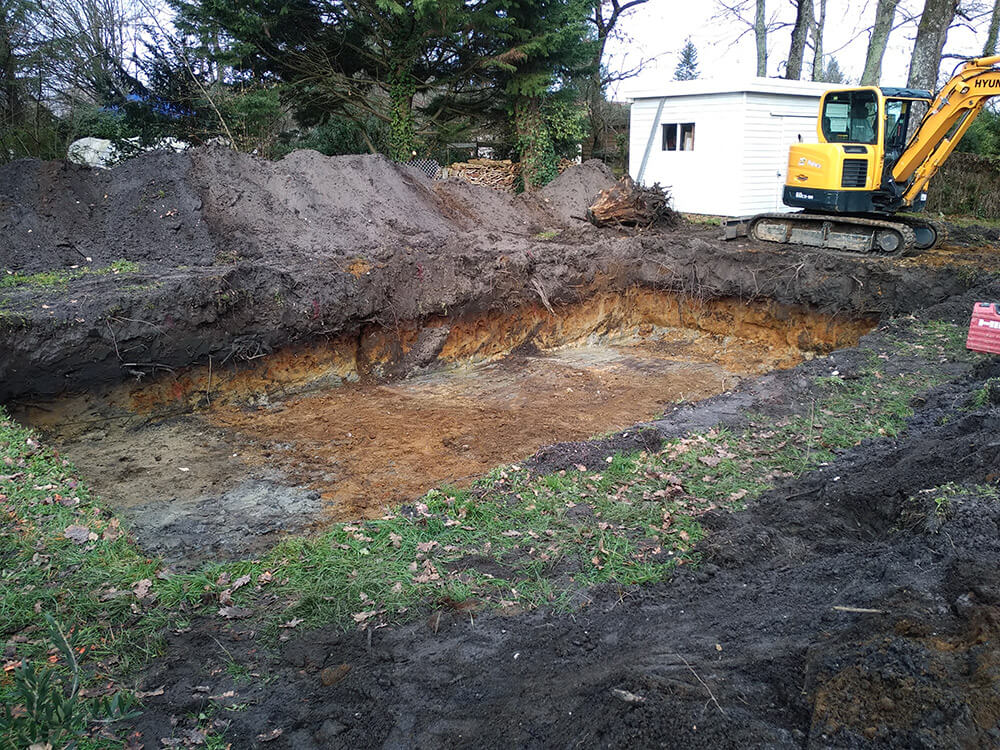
column 212, row 205
column 57, row 214
column 237, row 257
column 570, row 194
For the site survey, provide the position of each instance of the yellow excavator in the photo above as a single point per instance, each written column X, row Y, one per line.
column 864, row 170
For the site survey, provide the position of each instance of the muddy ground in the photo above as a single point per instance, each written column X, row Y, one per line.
column 255, row 280
column 748, row 650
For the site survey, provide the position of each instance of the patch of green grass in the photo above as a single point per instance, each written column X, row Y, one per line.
column 548, row 234
column 932, row 338
column 62, row 277
column 704, row 219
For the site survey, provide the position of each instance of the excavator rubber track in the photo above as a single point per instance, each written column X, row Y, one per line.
column 853, row 234
column 929, row 233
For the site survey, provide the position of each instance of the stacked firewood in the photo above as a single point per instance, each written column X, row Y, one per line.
column 499, row 174
column 631, row 205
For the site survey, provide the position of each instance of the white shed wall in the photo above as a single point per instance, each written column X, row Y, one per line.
column 742, row 137
column 771, row 124
column 700, row 181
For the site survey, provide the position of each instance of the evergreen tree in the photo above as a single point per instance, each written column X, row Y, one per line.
column 687, row 65
column 353, row 58
column 832, row 72
column 548, row 43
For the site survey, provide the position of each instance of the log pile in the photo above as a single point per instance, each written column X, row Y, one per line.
column 499, row 174
column 631, row 205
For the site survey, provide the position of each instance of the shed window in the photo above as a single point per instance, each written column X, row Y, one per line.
column 678, row 136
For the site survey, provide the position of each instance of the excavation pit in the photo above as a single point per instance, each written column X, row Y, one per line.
column 223, row 459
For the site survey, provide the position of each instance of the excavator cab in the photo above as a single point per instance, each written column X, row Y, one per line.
column 862, row 133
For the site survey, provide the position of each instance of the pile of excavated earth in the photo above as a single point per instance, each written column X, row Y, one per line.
column 319, row 339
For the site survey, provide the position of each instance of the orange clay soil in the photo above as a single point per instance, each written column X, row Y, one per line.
column 368, row 447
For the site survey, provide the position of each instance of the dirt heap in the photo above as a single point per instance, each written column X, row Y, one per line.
column 197, row 207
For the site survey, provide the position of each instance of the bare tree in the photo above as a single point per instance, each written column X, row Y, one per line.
column 932, row 32
column 990, row 48
column 604, row 18
column 800, row 32
column 739, row 10
column 760, row 36
column 818, row 26
column 89, row 43
column 885, row 12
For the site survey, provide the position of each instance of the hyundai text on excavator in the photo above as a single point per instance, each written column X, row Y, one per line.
column 865, row 170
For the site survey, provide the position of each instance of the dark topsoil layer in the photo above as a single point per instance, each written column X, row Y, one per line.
column 746, row 650
column 239, row 256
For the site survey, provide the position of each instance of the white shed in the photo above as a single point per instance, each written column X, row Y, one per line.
column 721, row 146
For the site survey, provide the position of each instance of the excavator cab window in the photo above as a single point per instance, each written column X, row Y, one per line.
column 850, row 117
column 897, row 117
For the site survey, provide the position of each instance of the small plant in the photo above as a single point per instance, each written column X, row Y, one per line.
column 548, row 234
column 988, row 394
column 45, row 713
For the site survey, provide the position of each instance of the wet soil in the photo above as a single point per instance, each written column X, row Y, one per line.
column 840, row 610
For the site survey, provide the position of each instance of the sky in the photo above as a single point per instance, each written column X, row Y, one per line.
column 660, row 28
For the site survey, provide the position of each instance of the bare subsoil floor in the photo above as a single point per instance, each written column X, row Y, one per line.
column 233, row 477
column 284, row 346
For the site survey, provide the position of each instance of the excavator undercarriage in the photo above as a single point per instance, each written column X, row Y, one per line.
column 856, row 234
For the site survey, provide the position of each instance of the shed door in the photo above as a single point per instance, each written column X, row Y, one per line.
column 789, row 129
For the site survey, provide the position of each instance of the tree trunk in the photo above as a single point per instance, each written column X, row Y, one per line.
column 819, row 24
column 402, row 136
column 12, row 108
column 595, row 102
column 931, row 35
column 534, row 144
column 760, row 34
column 885, row 12
column 803, row 22
column 990, row 48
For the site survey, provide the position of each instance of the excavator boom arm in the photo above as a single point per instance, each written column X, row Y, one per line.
column 951, row 114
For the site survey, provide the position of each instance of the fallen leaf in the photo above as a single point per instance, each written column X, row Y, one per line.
column 396, row 539
column 241, row 581
column 269, row 736
column 710, row 460
column 293, row 623
column 112, row 531
column 426, row 546
column 76, row 533
column 234, row 613
column 141, row 588
column 150, row 693
column 333, row 675
column 628, row 697
column 362, row 616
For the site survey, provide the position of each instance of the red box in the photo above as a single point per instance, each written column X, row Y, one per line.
column 984, row 330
